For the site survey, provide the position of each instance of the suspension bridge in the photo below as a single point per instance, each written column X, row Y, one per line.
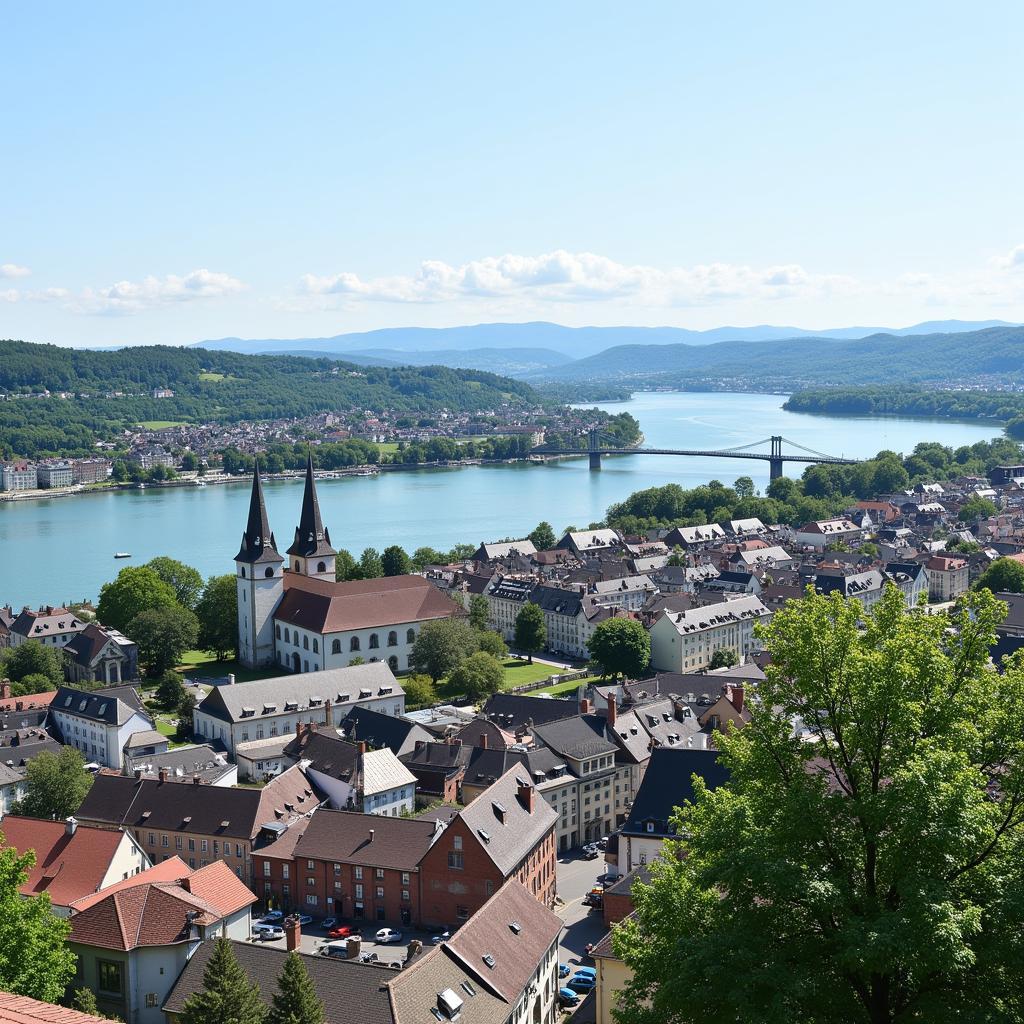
column 770, row 450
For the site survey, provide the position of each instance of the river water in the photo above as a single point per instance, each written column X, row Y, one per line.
column 61, row 549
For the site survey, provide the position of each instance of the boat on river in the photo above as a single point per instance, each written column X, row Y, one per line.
column 122, row 554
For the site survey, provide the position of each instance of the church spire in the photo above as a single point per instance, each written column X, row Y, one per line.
column 258, row 544
column 311, row 539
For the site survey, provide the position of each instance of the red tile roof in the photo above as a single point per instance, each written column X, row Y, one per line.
column 217, row 885
column 169, row 870
column 28, row 702
column 67, row 866
column 23, row 1010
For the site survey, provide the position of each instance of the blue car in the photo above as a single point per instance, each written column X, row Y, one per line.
column 566, row 997
column 582, row 983
column 586, row 972
column 563, row 970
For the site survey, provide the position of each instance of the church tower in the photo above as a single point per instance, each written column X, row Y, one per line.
column 260, row 583
column 311, row 553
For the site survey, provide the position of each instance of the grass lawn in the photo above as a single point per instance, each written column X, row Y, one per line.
column 214, row 377
column 166, row 729
column 387, row 447
column 561, row 689
column 518, row 673
column 161, row 424
column 202, row 664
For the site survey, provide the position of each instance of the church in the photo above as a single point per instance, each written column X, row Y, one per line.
column 293, row 615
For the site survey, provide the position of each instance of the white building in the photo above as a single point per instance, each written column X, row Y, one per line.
column 99, row 723
column 51, row 626
column 829, row 531
column 686, row 641
column 18, row 476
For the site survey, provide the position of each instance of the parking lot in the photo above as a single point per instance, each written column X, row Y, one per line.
column 314, row 936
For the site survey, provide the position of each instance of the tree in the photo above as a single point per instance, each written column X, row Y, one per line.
column 227, row 995
column 869, row 548
column 370, row 565
column 743, row 486
column 171, row 691
column 185, row 581
column 186, row 715
column 493, row 643
column 678, row 557
column 55, row 785
column 345, row 566
column 217, row 611
column 163, row 635
column 479, row 675
column 295, row 1001
column 976, row 508
column 873, row 875
column 479, row 611
column 84, row 1001
column 395, row 562
column 136, row 589
column 34, row 682
column 420, row 691
column 441, row 645
column 531, row 633
column 620, row 647
column 543, row 536
column 422, row 557
column 32, row 659
column 35, row 961
column 723, row 657
column 1003, row 576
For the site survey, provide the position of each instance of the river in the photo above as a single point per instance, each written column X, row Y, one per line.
column 61, row 549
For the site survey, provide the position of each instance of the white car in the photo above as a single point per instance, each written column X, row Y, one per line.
column 267, row 932
column 386, row 935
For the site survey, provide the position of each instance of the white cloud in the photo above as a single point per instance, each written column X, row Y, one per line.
column 1013, row 260
column 562, row 276
column 126, row 298
column 13, row 270
column 9, row 295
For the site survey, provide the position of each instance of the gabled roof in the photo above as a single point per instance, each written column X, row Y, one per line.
column 112, row 705
column 25, row 1010
column 668, row 783
column 169, row 870
column 382, row 772
column 326, row 753
column 49, row 621
column 68, row 866
column 380, row 730
column 576, row 737
column 86, row 646
column 511, row 711
column 345, row 837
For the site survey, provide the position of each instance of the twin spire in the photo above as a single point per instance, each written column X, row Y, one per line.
column 311, row 538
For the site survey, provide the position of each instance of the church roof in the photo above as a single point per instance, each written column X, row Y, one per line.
column 311, row 539
column 258, row 544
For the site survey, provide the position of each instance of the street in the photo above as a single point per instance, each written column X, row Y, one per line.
column 583, row 924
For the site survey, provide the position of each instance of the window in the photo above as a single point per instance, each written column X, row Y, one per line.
column 151, row 997
column 311, row 899
column 337, row 886
column 316, row 646
column 109, row 974
column 337, row 869
column 650, row 826
column 335, row 647
column 462, row 913
column 305, row 665
column 353, row 644
column 380, row 873
column 405, row 878
column 266, row 868
column 374, row 642
column 454, row 860
column 457, row 843
column 192, row 845
column 203, row 845
column 269, row 573
column 310, row 864
column 287, row 636
column 359, row 892
column 164, row 841
column 410, row 636
column 178, row 842
column 321, row 567
column 278, row 631
column 285, row 869
column 310, row 882
column 393, row 638
column 380, row 892
column 305, row 642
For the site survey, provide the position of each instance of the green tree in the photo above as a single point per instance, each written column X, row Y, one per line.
column 217, row 611
column 873, row 875
column 163, row 635
column 84, row 1001
column 1003, row 576
column 227, row 995
column 869, row 548
column 441, row 645
column 531, row 632
column 186, row 716
column 370, row 565
column 678, row 557
column 345, row 566
column 976, row 508
column 743, row 486
column 55, row 785
column 479, row 675
column 136, row 589
column 422, row 557
column 620, row 647
column 723, row 657
column 34, row 682
column 35, row 961
column 32, row 659
column 479, row 611
column 420, row 691
column 185, row 581
column 295, row 1001
column 395, row 562
column 171, row 691
column 493, row 643
column 543, row 536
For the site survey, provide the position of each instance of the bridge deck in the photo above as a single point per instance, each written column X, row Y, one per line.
column 708, row 453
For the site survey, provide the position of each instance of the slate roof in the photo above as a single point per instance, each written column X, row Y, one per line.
column 49, row 621
column 325, row 607
column 327, row 753
column 350, row 991
column 511, row 711
column 668, row 783
column 338, row 685
column 113, row 705
column 258, row 543
column 344, row 836
column 576, row 738
column 182, row 763
column 86, row 647
column 380, row 730
column 311, row 539
column 710, row 616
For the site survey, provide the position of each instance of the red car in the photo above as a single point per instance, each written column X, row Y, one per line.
column 343, row 931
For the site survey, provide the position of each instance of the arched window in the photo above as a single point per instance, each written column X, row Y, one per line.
column 305, row 666
column 321, row 567
column 336, row 647
column 296, row 639
column 287, row 636
column 270, row 572
column 393, row 663
column 410, row 636
column 296, row 565
column 305, row 642
column 353, row 644
column 277, row 629
column 374, row 642
column 243, row 572
column 393, row 638
column 316, row 646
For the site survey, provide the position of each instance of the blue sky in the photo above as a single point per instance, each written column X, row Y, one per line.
column 179, row 172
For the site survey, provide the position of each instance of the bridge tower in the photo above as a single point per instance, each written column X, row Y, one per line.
column 594, row 447
column 775, row 460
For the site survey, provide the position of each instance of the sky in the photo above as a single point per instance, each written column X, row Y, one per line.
column 177, row 172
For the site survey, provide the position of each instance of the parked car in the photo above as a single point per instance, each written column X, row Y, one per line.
column 581, row 983
column 328, row 923
column 342, row 931
column 304, row 919
column 591, row 852
column 443, row 937
column 602, row 843
column 369, row 958
column 267, row 932
column 566, row 997
column 563, row 971
column 586, row 972
column 272, row 916
column 388, row 935
column 338, row 949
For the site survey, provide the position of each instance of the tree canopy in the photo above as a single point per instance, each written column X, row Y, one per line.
column 531, row 632
column 395, row 562
column 163, row 635
column 1003, row 576
column 137, row 588
column 621, row 647
column 543, row 536
column 55, row 785
column 478, row 675
column 441, row 644
column 185, row 581
column 31, row 659
column 217, row 611
column 227, row 995
column 295, row 1001
column 869, row 870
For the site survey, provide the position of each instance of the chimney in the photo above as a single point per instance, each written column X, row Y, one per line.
column 328, row 713
column 612, row 709
column 421, row 745
column 298, row 730
column 371, row 835
column 231, row 679
column 352, row 948
column 70, row 826
column 292, row 933
column 585, row 706
column 5, row 689
column 483, row 740
column 362, row 747
column 734, row 694
column 163, row 775
column 525, row 793
column 138, row 773
column 195, row 779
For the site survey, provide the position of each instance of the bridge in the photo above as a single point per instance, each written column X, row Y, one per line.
column 597, row 447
